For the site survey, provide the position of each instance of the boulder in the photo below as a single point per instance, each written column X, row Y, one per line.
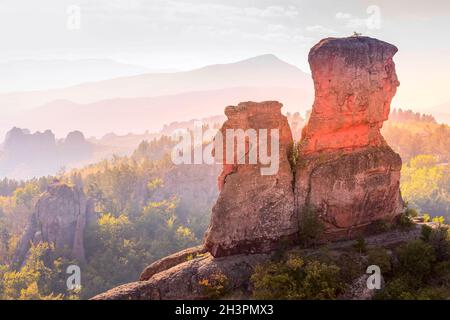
column 171, row 261
column 193, row 279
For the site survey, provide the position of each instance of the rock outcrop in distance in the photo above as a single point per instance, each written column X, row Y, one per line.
column 59, row 218
column 25, row 155
column 344, row 171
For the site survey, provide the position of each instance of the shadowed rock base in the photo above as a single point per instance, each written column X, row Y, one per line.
column 351, row 191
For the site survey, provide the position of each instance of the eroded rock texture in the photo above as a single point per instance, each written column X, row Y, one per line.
column 346, row 170
column 59, row 218
column 254, row 212
column 171, row 261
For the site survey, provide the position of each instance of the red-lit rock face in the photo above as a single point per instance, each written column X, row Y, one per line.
column 355, row 81
column 347, row 172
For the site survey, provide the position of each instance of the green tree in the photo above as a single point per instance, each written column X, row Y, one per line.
column 415, row 260
column 396, row 289
column 425, row 232
column 296, row 279
column 311, row 227
column 439, row 239
column 380, row 257
column 32, row 281
column 360, row 245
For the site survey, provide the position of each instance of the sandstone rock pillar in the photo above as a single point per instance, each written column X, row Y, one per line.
column 254, row 212
column 346, row 170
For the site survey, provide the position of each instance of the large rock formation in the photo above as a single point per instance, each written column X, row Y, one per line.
column 59, row 218
column 346, row 170
column 254, row 212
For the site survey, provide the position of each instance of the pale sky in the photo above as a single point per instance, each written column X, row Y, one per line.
column 188, row 34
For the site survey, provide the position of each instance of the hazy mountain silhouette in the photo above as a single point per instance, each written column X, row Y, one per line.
column 57, row 73
column 141, row 114
column 145, row 102
column 261, row 71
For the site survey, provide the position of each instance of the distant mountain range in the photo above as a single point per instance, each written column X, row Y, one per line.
column 145, row 102
column 21, row 75
column 124, row 115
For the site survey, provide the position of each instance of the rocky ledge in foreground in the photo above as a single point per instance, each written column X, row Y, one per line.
column 194, row 277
